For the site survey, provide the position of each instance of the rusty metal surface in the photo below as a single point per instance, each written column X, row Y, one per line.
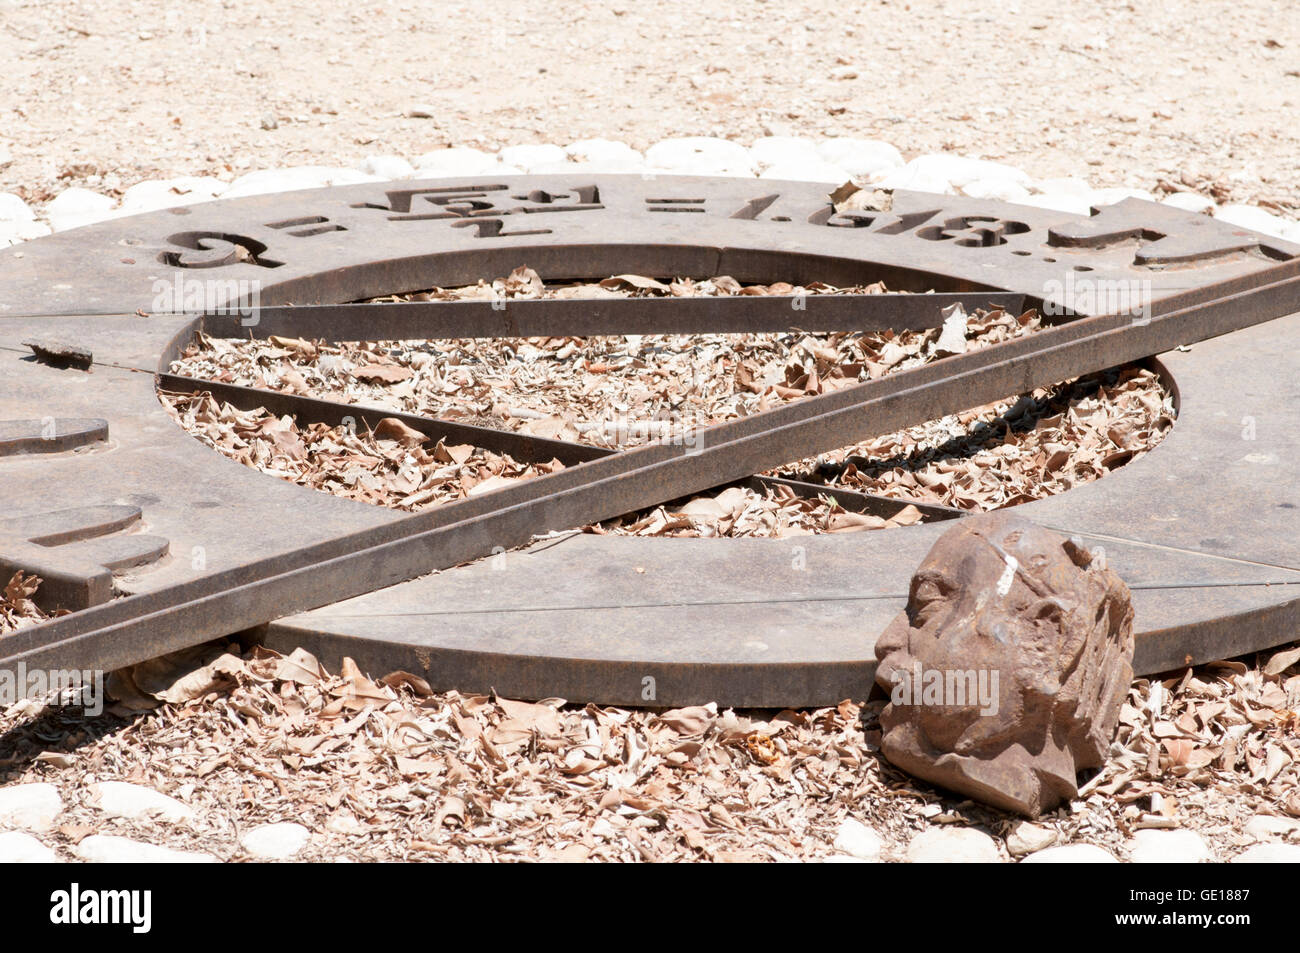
column 241, row 548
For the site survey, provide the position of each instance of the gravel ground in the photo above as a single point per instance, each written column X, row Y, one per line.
column 1121, row 94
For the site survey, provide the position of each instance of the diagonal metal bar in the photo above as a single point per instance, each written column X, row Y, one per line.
column 583, row 317
column 142, row 626
column 525, row 448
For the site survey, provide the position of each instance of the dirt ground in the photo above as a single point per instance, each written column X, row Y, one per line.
column 1118, row 93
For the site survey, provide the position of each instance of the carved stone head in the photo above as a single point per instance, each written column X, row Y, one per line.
column 1007, row 670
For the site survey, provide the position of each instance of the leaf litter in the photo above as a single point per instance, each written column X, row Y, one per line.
column 385, row 769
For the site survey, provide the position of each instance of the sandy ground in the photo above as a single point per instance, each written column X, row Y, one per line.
column 1122, row 94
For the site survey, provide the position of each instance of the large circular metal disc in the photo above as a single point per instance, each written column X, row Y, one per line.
column 1203, row 528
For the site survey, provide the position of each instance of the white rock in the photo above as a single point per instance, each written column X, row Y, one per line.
column 595, row 167
column 1064, row 186
column 1071, row 854
column 11, row 233
column 1169, row 847
column 450, row 163
column 1256, row 219
column 171, row 193
column 14, row 209
column 1060, row 202
column 1111, row 196
column 1188, row 201
column 110, row 849
column 386, row 167
column 1269, row 854
column 700, row 155
column 75, row 207
column 526, row 157
column 1026, row 838
column 299, row 177
column 858, row 840
column 783, row 150
column 17, row 847
column 275, row 841
column 860, row 157
column 953, row 845
column 955, row 172
column 1004, row 190
column 1269, row 826
column 603, row 150
column 122, row 799
column 812, row 170
column 913, row 180
column 31, row 806
column 843, row 859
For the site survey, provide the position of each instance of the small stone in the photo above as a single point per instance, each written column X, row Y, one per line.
column 110, row 849
column 1026, row 838
column 784, row 150
column 171, row 193
column 954, row 172
column 526, row 157
column 1269, row 854
column 1071, row 854
column 122, row 799
column 386, row 167
column 6, row 157
column 270, row 122
column 843, row 859
column 603, row 150
column 1004, row 190
column 860, row 157
column 14, row 210
column 953, row 845
column 275, row 841
column 857, row 840
column 1256, row 219
column 1268, row 826
column 1168, row 847
column 1059, row 202
column 1069, row 185
column 421, row 112
column 1111, row 196
column 451, row 163
column 18, row 847
column 266, row 181
column 75, row 207
column 30, row 806
column 700, row 155
column 812, row 170
column 913, row 180
column 13, row 233
column 594, row 167
column 1189, row 201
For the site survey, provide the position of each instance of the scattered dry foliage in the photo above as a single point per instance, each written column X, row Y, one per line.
column 621, row 391
column 17, row 610
column 388, row 770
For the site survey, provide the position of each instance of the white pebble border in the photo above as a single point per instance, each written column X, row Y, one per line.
column 865, row 161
